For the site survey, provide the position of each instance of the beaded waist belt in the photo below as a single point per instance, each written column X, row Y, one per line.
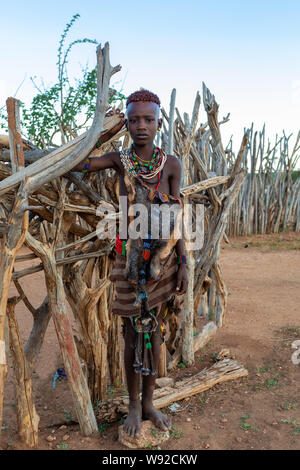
column 121, row 248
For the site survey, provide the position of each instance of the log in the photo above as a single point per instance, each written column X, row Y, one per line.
column 222, row 371
column 4, row 142
column 27, row 271
column 75, row 228
column 203, row 185
column 219, row 373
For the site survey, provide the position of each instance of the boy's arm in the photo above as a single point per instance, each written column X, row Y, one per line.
column 108, row 160
column 175, row 176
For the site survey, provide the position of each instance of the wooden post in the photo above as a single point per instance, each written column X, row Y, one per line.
column 188, row 316
column 14, row 132
column 170, row 148
column 13, row 237
column 27, row 416
column 57, row 305
column 188, row 311
column 162, row 365
column 115, row 356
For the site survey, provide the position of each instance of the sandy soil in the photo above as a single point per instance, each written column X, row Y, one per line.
column 260, row 411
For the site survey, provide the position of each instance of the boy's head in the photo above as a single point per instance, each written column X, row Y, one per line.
column 142, row 116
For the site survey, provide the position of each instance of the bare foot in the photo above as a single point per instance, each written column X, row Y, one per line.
column 160, row 420
column 132, row 424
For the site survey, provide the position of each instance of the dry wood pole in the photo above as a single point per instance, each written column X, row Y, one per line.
column 14, row 235
column 188, row 313
column 77, row 264
column 27, row 416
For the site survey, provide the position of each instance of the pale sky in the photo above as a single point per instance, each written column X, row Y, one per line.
column 247, row 53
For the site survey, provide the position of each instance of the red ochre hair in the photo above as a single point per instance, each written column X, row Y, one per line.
column 143, row 95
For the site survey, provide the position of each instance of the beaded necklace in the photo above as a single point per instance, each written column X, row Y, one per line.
column 144, row 167
column 139, row 167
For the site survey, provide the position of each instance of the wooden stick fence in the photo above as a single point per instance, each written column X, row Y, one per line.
column 77, row 264
column 269, row 200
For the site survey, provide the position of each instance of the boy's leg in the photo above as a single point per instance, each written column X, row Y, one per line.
column 132, row 424
column 159, row 419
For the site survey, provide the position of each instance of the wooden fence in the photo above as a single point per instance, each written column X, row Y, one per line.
column 76, row 263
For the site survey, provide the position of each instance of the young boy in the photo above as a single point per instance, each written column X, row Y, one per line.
column 142, row 122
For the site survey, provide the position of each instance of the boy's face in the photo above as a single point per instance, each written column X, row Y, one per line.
column 142, row 121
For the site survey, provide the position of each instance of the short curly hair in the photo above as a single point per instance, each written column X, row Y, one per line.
column 143, row 95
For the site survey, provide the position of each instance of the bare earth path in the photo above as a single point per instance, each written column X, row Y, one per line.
column 261, row 411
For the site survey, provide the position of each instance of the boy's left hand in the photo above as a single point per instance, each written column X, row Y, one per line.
column 182, row 280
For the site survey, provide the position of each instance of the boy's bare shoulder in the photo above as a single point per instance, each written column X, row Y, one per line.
column 174, row 165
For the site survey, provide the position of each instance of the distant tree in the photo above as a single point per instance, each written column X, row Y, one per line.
column 58, row 112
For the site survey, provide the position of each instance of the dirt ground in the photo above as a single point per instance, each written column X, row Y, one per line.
column 260, row 411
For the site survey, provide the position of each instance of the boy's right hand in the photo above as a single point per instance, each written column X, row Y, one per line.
column 115, row 129
column 103, row 162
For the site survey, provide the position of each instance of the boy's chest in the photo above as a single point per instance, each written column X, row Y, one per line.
column 164, row 182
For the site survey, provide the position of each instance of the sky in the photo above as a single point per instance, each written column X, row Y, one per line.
column 246, row 53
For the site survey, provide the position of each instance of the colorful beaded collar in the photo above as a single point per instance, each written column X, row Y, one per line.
column 139, row 167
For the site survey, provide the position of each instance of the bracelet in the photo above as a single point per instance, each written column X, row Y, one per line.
column 98, row 144
column 86, row 165
column 181, row 259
